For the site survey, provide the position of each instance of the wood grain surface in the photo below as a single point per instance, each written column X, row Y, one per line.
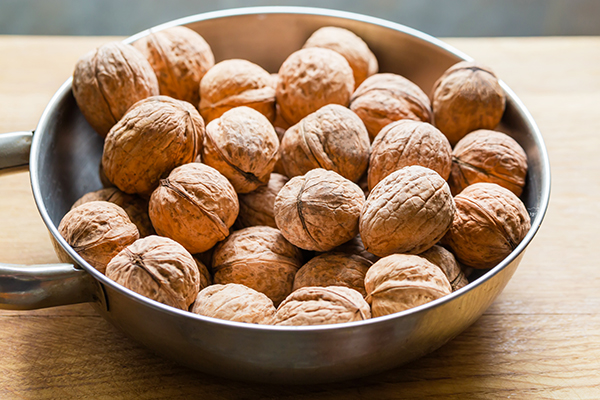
column 539, row 340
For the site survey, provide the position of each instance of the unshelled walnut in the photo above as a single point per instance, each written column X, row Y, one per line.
column 356, row 246
column 407, row 142
column 158, row 268
column 97, row 231
column 136, row 207
column 258, row 257
column 488, row 156
column 195, row 205
column 334, row 269
column 234, row 83
column 235, row 302
column 321, row 306
column 179, row 57
column 333, row 137
column 257, row 207
column 489, row 223
column 243, row 146
column 467, row 97
column 319, row 210
column 310, row 79
column 352, row 47
column 407, row 212
column 109, row 80
column 402, row 281
column 156, row 135
column 384, row 98
column 205, row 279
column 445, row 260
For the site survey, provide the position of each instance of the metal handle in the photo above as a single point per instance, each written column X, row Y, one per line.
column 14, row 151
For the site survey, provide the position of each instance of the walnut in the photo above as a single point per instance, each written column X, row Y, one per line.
column 385, row 98
column 180, row 57
column 257, row 207
column 98, row 230
column 321, row 306
column 408, row 142
column 156, row 135
column 109, row 80
column 489, row 223
column 233, row 83
column 402, row 281
column 334, row 269
column 235, row 302
column 311, row 78
column 205, row 279
column 356, row 246
column 319, row 210
column 135, row 206
column 258, row 257
column 333, row 138
column 195, row 205
column 407, row 212
column 467, row 97
column 158, row 268
column 243, row 146
column 445, row 260
column 488, row 156
column 352, row 47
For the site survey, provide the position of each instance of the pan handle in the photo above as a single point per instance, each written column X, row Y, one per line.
column 14, row 151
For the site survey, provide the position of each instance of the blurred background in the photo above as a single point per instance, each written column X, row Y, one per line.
column 441, row 18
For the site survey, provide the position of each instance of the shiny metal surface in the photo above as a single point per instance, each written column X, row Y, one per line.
column 64, row 161
column 14, row 151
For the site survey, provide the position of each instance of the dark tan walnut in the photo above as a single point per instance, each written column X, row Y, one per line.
column 333, row 138
column 489, row 223
column 407, row 212
column 488, row 156
column 97, row 231
column 356, row 246
column 384, row 98
column 109, row 80
column 406, row 142
column 195, row 205
column 467, row 97
column 321, row 306
column 258, row 257
column 179, row 57
column 402, row 281
column 156, row 135
column 234, row 83
column 158, row 268
column 445, row 260
column 319, row 210
column 257, row 207
column 205, row 279
column 310, row 79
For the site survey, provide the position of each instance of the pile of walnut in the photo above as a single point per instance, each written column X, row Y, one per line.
column 325, row 193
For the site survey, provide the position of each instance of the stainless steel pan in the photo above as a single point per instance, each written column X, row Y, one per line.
column 64, row 155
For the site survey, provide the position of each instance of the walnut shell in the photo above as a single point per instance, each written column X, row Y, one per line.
column 234, row 83
column 257, row 207
column 407, row 212
column 467, row 97
column 402, row 281
column 334, row 269
column 488, row 156
column 352, row 47
column 235, row 302
column 333, row 138
column 98, row 231
column 156, row 135
column 310, row 79
column 384, row 98
column 158, row 268
column 195, row 205
column 321, row 306
column 445, row 260
column 319, row 210
column 135, row 206
column 356, row 246
column 109, row 80
column 258, row 257
column 489, row 223
column 205, row 279
column 406, row 142
column 179, row 57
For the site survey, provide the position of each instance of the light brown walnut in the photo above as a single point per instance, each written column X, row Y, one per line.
column 258, row 207
column 445, row 260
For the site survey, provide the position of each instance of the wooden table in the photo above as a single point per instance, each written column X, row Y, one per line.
column 540, row 339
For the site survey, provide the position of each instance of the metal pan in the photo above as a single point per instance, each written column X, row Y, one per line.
column 64, row 155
